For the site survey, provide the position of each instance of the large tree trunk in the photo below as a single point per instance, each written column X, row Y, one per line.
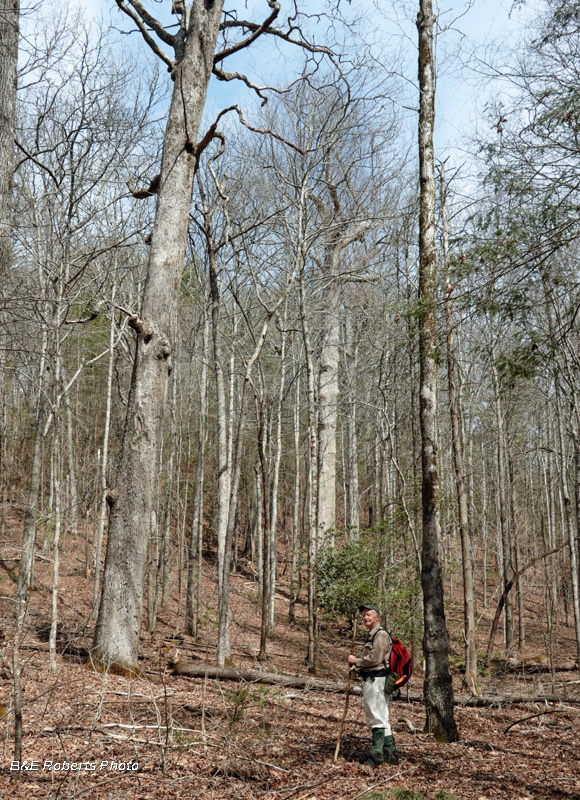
column 328, row 400
column 165, row 551
column 438, row 690
column 117, row 629
column 99, row 533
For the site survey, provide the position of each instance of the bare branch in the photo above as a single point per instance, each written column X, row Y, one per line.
column 257, row 31
column 145, row 33
column 93, row 315
column 30, row 157
column 149, row 20
column 270, row 133
column 253, row 26
column 152, row 189
column 238, row 76
column 123, row 310
column 534, row 716
column 356, row 234
column 212, row 132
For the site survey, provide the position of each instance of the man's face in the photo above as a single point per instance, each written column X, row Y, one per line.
column 369, row 618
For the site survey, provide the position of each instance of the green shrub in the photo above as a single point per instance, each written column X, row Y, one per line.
column 353, row 573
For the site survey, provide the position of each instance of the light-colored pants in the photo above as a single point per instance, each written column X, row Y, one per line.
column 375, row 704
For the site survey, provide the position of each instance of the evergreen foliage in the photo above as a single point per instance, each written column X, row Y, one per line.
column 353, row 573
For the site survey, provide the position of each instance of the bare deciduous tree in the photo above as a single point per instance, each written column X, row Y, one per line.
column 438, row 689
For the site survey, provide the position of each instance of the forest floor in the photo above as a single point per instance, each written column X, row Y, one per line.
column 166, row 736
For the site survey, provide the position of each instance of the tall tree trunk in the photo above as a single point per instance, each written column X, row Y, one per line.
column 165, row 549
column 195, row 539
column 438, row 689
column 264, row 567
column 504, row 533
column 259, row 536
column 104, row 459
column 55, row 555
column 276, row 479
column 456, row 415
column 570, row 526
column 25, row 573
column 312, row 483
column 224, row 466
column 517, row 555
column 350, row 348
column 484, row 534
column 328, row 402
column 294, row 582
column 119, row 621
column 9, row 29
column 56, row 461
column 72, row 505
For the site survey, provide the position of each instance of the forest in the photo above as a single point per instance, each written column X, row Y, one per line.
column 279, row 338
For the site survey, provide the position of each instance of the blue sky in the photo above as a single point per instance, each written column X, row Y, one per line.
column 483, row 26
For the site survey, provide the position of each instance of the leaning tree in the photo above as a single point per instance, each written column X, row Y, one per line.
column 204, row 39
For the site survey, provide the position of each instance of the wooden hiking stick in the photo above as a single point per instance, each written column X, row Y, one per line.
column 348, row 683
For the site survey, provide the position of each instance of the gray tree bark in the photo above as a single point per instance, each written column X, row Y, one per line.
column 294, row 578
column 276, row 480
column 195, row 541
column 312, row 530
column 504, row 533
column 9, row 29
column 351, row 353
column 99, row 533
column 437, row 689
column 570, row 526
column 119, row 621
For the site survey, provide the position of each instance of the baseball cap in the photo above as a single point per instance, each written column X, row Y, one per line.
column 369, row 607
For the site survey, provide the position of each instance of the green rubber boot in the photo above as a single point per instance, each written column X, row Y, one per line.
column 390, row 755
column 375, row 758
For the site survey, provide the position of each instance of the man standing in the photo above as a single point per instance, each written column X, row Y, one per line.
column 377, row 685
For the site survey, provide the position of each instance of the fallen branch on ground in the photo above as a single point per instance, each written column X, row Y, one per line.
column 514, row 700
column 531, row 665
column 533, row 716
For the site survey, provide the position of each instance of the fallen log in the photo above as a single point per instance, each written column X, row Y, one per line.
column 191, row 670
column 534, row 664
column 62, row 648
column 514, row 700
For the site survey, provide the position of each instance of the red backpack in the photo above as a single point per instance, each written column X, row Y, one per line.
column 400, row 662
